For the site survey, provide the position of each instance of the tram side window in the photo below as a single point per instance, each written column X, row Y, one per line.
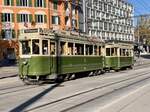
column 70, row 49
column 35, row 46
column 89, row 49
column 45, row 47
column 100, row 50
column 113, row 51
column 120, row 52
column 52, row 48
column 25, row 47
column 124, row 52
column 80, row 49
column 127, row 52
column 116, row 52
column 107, row 51
column 62, row 48
column 95, row 50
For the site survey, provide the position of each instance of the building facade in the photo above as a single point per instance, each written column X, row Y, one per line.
column 108, row 19
column 21, row 14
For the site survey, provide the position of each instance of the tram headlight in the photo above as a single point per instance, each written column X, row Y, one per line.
column 24, row 62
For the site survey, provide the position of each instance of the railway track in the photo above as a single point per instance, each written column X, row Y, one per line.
column 141, row 77
column 11, row 90
column 18, row 88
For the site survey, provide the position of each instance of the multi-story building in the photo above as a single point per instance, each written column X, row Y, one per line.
column 107, row 19
column 20, row 14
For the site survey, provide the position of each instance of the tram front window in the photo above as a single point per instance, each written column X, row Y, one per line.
column 25, row 47
column 35, row 46
column 44, row 47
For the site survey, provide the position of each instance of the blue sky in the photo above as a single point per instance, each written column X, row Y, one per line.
column 140, row 6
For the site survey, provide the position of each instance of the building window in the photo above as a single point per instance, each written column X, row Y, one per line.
column 23, row 2
column 55, row 5
column 39, row 18
column 24, row 18
column 8, row 33
column 8, row 2
column 7, row 17
column 40, row 3
column 55, row 20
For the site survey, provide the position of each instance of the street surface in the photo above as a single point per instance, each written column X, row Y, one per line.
column 124, row 91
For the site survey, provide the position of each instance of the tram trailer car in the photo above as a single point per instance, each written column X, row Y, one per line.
column 118, row 56
column 61, row 55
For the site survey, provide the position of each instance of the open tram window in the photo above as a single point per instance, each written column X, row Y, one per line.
column 35, row 46
column 99, row 51
column 124, row 52
column 52, row 48
column 45, row 47
column 127, row 52
column 95, row 50
column 107, row 51
column 62, row 48
column 80, row 49
column 120, row 52
column 113, row 51
column 89, row 49
column 25, row 47
column 70, row 49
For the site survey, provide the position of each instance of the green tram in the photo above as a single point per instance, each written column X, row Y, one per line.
column 118, row 56
column 46, row 55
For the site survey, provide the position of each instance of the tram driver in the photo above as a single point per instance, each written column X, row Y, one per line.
column 35, row 48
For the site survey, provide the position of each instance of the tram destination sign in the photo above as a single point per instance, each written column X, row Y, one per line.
column 31, row 30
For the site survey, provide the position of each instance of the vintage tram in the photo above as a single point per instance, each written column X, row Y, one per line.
column 59, row 55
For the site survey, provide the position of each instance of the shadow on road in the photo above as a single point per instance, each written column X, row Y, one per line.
column 145, row 56
column 26, row 104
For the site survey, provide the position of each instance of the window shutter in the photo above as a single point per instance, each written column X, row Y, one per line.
column 44, row 3
column 45, row 18
column 30, row 3
column 5, row 2
column 18, row 17
column 3, row 17
column 30, row 17
column 18, row 3
column 35, row 3
column 12, row 17
column 12, row 2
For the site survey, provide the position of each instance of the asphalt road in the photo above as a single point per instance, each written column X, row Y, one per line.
column 98, row 93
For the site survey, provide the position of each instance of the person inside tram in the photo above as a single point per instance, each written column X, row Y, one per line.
column 25, row 47
column 35, row 48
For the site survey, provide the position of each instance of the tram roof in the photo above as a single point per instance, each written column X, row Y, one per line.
column 47, row 33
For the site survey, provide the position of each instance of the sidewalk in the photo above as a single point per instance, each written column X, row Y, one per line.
column 143, row 59
column 8, row 71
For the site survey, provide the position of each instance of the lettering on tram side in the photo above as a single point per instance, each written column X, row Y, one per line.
column 31, row 30
column 46, row 31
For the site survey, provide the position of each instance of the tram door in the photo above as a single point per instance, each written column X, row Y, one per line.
column 46, row 55
column 52, row 56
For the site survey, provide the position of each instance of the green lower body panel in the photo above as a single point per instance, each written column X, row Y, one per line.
column 47, row 65
column 118, row 62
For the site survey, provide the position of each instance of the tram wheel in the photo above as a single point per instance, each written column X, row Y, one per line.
column 60, row 78
column 29, row 81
